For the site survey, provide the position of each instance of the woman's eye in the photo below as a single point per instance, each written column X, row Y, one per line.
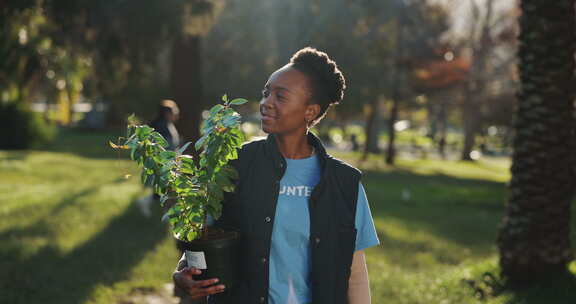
column 280, row 96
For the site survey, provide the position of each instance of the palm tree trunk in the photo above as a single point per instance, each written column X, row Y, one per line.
column 534, row 239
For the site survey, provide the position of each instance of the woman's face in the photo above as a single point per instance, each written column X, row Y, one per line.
column 285, row 106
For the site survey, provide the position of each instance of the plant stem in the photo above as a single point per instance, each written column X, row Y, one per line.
column 204, row 232
column 205, row 226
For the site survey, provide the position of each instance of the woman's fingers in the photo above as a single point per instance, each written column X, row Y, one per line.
column 190, row 271
column 199, row 288
column 196, row 289
column 205, row 283
column 184, row 278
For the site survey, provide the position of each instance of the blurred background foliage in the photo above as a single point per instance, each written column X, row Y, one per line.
column 408, row 63
column 433, row 87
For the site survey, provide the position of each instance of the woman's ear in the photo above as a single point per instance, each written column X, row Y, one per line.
column 312, row 112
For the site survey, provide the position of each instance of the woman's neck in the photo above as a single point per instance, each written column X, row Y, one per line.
column 294, row 146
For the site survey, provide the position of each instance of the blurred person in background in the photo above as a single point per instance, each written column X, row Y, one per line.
column 168, row 113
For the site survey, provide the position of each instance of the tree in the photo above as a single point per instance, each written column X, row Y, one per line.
column 186, row 75
column 487, row 33
column 419, row 27
column 439, row 79
column 534, row 239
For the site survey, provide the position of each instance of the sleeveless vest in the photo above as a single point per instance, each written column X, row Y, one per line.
column 251, row 210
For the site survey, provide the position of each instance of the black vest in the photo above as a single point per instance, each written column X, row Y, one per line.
column 251, row 211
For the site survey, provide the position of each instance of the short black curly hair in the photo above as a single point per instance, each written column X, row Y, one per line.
column 327, row 81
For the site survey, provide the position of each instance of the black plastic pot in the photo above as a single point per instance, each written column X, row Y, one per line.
column 221, row 254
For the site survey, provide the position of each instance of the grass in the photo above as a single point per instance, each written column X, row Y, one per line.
column 71, row 233
column 442, row 234
column 69, row 229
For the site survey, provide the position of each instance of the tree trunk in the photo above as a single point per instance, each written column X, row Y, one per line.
column 470, row 121
column 187, row 85
column 371, row 129
column 474, row 88
column 534, row 239
column 442, row 128
column 396, row 90
column 391, row 147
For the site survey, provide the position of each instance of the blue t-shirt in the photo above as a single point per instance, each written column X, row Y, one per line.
column 289, row 253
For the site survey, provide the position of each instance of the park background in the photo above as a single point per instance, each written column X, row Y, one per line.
column 434, row 89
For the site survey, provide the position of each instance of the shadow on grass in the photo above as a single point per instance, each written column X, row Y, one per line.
column 42, row 227
column 87, row 143
column 463, row 211
column 559, row 290
column 50, row 276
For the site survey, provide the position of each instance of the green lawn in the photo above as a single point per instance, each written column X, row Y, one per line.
column 71, row 233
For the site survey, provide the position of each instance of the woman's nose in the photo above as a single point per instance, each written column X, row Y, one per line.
column 265, row 103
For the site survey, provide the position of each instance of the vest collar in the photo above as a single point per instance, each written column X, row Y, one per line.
column 279, row 161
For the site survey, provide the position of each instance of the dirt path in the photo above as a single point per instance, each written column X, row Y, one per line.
column 150, row 296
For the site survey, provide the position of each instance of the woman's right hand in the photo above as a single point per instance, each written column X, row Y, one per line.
column 196, row 289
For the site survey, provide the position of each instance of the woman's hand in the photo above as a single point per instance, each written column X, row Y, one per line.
column 196, row 289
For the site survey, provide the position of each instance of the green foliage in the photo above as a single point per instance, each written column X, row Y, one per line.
column 197, row 188
column 22, row 129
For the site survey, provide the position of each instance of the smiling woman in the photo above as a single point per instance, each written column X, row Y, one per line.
column 302, row 214
column 301, row 92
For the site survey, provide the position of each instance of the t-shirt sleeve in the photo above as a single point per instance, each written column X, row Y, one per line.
column 366, row 235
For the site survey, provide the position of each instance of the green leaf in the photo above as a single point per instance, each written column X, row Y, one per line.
column 238, row 101
column 149, row 180
column 207, row 126
column 159, row 139
column 173, row 220
column 201, row 142
column 230, row 172
column 184, row 147
column 166, row 156
column 228, row 112
column 215, row 109
column 224, row 182
column 215, row 193
column 132, row 120
column 143, row 177
column 230, row 121
column 176, row 230
column 149, row 163
column 191, row 235
column 143, row 131
column 225, row 98
column 187, row 165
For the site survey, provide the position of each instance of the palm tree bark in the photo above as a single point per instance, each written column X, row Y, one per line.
column 534, row 239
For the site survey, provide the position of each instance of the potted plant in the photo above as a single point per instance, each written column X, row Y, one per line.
column 195, row 188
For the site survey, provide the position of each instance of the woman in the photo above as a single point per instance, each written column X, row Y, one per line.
column 303, row 215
